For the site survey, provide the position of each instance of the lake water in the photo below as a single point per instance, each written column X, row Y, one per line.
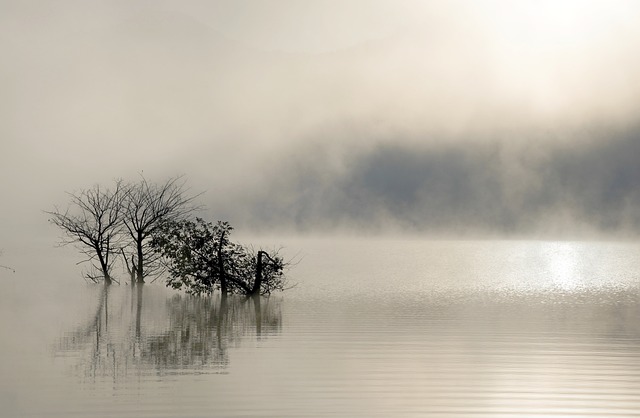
column 373, row 328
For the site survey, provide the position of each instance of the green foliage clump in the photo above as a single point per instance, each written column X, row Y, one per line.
column 200, row 258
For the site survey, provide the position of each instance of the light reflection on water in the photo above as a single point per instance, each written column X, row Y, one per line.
column 374, row 328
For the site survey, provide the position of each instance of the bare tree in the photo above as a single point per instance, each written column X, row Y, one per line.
column 146, row 207
column 93, row 222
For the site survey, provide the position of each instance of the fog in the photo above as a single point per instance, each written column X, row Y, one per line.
column 464, row 118
column 510, row 187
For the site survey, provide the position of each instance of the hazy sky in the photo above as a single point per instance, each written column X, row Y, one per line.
column 507, row 117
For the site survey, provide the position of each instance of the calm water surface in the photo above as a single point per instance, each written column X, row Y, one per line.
column 373, row 328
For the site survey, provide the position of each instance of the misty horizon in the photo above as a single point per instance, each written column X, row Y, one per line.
column 422, row 118
column 321, row 208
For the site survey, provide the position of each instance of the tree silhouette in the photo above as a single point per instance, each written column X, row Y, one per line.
column 146, row 206
column 93, row 222
column 201, row 258
column 148, row 225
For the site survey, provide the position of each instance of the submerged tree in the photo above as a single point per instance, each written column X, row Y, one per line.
column 148, row 224
column 93, row 222
column 201, row 258
column 7, row 267
column 146, row 206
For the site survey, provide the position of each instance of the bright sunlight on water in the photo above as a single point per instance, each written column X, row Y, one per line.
column 386, row 328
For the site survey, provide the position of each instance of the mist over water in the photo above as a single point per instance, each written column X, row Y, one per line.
column 511, row 186
column 452, row 117
column 456, row 181
column 373, row 328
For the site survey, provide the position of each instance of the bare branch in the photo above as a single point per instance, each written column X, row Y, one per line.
column 8, row 268
column 93, row 222
column 146, row 207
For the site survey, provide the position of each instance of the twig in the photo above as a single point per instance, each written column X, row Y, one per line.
column 8, row 268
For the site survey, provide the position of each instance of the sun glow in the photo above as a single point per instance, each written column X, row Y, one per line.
column 554, row 23
column 563, row 264
column 561, row 55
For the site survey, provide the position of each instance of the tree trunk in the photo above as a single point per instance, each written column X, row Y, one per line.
column 132, row 272
column 257, row 284
column 130, row 269
column 105, row 268
column 139, row 270
column 224, row 286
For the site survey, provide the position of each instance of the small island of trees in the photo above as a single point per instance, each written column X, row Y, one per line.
column 150, row 229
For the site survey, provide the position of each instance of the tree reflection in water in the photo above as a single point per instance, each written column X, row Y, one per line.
column 160, row 334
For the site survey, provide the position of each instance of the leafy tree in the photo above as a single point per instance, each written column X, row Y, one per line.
column 93, row 222
column 200, row 258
